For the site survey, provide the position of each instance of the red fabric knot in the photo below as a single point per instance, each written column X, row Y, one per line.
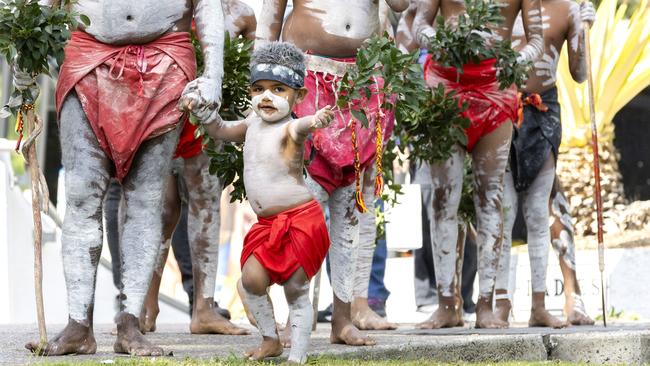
column 532, row 99
column 279, row 228
column 140, row 64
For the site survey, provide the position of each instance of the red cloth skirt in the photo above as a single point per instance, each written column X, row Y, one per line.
column 333, row 165
column 287, row 241
column 488, row 108
column 129, row 93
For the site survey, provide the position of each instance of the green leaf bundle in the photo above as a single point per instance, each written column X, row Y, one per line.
column 227, row 158
column 467, row 42
column 31, row 33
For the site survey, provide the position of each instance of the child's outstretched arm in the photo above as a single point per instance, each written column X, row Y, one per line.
column 300, row 128
column 228, row 130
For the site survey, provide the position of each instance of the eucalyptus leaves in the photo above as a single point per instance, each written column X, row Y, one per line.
column 428, row 122
column 466, row 42
column 227, row 158
column 31, row 33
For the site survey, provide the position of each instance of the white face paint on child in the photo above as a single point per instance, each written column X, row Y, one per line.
column 271, row 107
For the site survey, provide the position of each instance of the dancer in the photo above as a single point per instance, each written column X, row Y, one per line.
column 334, row 31
column 490, row 111
column 535, row 149
column 288, row 244
column 117, row 99
column 190, row 183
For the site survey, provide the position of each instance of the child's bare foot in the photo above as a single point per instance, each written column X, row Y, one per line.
column 540, row 317
column 364, row 318
column 76, row 338
column 270, row 347
column 502, row 309
column 285, row 335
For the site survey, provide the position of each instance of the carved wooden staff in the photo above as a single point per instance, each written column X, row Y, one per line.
column 594, row 148
column 40, row 201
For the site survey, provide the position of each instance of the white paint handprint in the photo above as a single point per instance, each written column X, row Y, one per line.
column 547, row 66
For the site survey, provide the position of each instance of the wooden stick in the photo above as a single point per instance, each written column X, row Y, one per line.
column 594, row 148
column 35, row 126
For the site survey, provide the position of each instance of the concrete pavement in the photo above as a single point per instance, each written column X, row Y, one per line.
column 617, row 344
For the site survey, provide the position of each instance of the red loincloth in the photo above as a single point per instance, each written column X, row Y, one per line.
column 188, row 146
column 284, row 242
column 488, row 108
column 333, row 165
column 129, row 93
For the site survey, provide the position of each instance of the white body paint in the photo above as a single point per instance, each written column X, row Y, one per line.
column 268, row 182
column 122, row 21
column 266, row 18
column 535, row 206
column 87, row 177
column 546, row 67
column 488, row 196
column 301, row 316
column 344, row 21
column 262, row 311
column 367, row 237
column 344, row 235
column 444, row 222
column 203, row 222
column 534, row 47
column 281, row 105
column 574, row 13
column 564, row 246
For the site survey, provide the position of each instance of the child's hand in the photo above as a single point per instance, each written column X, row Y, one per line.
column 323, row 118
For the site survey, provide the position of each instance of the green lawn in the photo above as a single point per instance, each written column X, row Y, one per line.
column 320, row 361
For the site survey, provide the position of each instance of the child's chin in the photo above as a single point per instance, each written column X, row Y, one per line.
column 272, row 117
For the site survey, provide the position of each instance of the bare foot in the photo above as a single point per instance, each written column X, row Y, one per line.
column 148, row 317
column 270, row 347
column 130, row 340
column 540, row 317
column 502, row 309
column 350, row 335
column 444, row 317
column 364, row 318
column 577, row 315
column 285, row 335
column 76, row 338
column 208, row 321
column 485, row 318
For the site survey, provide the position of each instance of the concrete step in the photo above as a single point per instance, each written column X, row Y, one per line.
column 618, row 344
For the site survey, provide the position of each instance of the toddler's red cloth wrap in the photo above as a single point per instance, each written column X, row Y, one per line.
column 488, row 107
column 287, row 241
column 333, row 165
column 129, row 93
